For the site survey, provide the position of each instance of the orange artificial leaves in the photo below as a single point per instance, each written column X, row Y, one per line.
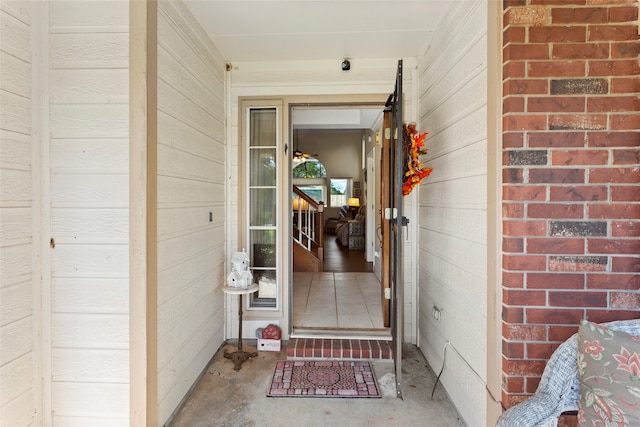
column 414, row 169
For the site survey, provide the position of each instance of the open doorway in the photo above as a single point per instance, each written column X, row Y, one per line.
column 345, row 295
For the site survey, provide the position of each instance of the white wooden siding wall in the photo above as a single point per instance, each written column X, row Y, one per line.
column 89, row 129
column 308, row 78
column 191, row 183
column 16, row 218
column 452, row 205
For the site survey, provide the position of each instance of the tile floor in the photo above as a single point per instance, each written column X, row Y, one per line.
column 337, row 300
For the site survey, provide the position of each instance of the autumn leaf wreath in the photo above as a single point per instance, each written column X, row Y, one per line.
column 414, row 169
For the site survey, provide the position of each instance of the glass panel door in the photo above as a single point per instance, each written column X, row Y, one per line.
column 262, row 208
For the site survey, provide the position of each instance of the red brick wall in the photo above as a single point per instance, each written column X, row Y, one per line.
column 571, row 193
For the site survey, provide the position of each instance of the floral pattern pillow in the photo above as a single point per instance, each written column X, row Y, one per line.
column 609, row 372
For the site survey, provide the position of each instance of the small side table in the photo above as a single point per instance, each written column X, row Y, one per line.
column 239, row 356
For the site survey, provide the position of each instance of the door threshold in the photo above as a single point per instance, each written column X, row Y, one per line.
column 344, row 334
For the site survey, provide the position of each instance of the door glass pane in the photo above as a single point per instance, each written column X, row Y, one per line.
column 263, row 247
column 262, row 167
column 262, row 207
column 263, row 260
column 262, row 127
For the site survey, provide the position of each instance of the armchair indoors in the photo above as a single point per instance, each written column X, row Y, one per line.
column 350, row 231
column 332, row 223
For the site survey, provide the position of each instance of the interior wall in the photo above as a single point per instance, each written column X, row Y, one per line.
column 452, row 206
column 18, row 240
column 191, row 203
column 319, row 81
column 339, row 152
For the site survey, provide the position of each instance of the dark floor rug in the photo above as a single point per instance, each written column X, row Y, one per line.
column 297, row 378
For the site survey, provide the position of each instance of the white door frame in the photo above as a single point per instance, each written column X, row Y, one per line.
column 371, row 206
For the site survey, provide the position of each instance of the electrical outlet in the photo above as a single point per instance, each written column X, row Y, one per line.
column 437, row 313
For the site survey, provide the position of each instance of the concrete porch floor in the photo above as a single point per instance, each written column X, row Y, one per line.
column 224, row 397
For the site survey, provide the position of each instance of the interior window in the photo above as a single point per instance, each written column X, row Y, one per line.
column 316, row 192
column 340, row 188
column 309, row 168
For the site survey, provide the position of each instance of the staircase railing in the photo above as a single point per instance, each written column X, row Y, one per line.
column 308, row 222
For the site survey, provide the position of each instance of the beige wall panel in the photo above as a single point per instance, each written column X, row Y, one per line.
column 185, row 247
column 16, row 38
column 18, row 412
column 86, row 154
column 175, row 162
column 15, row 225
column 181, row 36
column 107, row 261
column 193, row 332
column 174, row 192
column 202, row 92
column 459, row 103
column 182, row 107
column 15, row 340
column 88, row 89
column 97, row 331
column 89, row 86
column 17, row 385
column 191, row 183
column 16, row 186
column 16, row 111
column 466, row 68
column 187, row 272
column 19, row 9
column 15, row 264
column 467, row 192
column 15, row 150
column 88, row 16
column 450, row 221
column 71, row 421
column 89, row 121
column 90, row 225
column 468, row 130
column 16, row 75
column 104, row 190
column 177, row 309
column 91, row 400
column 176, row 221
column 173, row 133
column 13, row 375
column 89, row 50
column 192, row 367
column 93, row 365
column 469, row 160
column 90, row 295
column 452, row 205
column 16, row 302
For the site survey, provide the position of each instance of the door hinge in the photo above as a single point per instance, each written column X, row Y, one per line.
column 387, row 293
column 390, row 213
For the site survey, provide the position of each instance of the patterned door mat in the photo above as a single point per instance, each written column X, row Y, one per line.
column 298, row 378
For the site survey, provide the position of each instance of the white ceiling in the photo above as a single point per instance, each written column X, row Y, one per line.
column 343, row 118
column 296, row 30
column 290, row 30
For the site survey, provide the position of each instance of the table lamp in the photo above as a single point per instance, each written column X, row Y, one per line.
column 353, row 203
